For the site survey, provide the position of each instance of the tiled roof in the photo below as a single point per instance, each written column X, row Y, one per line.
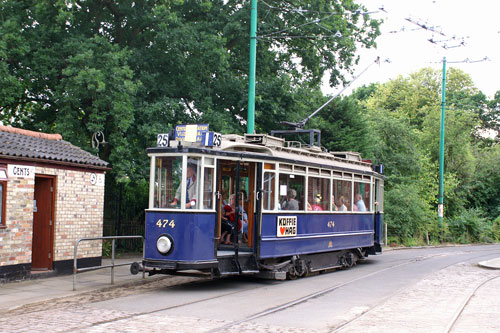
column 18, row 143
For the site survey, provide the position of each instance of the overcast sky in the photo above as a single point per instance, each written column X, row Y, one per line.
column 409, row 49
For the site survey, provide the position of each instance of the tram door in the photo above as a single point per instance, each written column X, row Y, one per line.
column 237, row 178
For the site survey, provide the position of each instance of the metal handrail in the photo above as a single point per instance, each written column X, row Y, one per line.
column 75, row 259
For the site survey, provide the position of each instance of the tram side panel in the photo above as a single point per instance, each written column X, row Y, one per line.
column 316, row 233
column 192, row 235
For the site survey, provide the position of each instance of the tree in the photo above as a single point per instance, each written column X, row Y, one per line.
column 132, row 69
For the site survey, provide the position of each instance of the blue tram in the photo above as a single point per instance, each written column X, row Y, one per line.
column 301, row 210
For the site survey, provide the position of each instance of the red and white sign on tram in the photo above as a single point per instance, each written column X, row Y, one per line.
column 286, row 226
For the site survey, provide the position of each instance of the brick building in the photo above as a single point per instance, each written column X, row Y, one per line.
column 51, row 194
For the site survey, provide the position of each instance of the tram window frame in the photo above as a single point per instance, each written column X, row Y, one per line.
column 300, row 194
column 161, row 179
column 207, row 164
column 379, row 195
column 342, row 193
column 314, row 203
column 366, row 196
column 156, row 202
column 272, row 196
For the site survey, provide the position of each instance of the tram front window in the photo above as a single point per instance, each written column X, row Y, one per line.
column 168, row 183
column 168, row 173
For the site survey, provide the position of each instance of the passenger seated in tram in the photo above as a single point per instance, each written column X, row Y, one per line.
column 334, row 206
column 359, row 203
column 190, row 188
column 244, row 215
column 316, row 206
column 342, row 206
column 290, row 203
column 228, row 222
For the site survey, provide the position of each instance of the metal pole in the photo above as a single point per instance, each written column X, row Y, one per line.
column 385, row 233
column 113, row 261
column 75, row 267
column 441, row 150
column 251, row 74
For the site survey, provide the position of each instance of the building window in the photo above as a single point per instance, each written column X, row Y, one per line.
column 3, row 200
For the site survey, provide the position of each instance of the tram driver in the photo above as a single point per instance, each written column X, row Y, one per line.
column 190, row 188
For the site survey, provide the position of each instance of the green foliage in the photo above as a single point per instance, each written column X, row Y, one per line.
column 344, row 127
column 132, row 69
column 406, row 214
column 404, row 116
column 484, row 191
column 471, row 226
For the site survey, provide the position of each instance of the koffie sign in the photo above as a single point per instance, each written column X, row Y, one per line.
column 286, row 226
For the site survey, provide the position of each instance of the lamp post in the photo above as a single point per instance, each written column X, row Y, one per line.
column 441, row 150
column 251, row 74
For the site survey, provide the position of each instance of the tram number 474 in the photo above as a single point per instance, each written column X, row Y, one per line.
column 164, row 223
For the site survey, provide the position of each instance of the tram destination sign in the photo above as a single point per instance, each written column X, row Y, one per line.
column 286, row 226
column 191, row 133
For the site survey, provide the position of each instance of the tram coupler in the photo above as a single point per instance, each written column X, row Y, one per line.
column 137, row 267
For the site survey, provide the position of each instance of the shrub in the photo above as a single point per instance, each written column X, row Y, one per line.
column 471, row 226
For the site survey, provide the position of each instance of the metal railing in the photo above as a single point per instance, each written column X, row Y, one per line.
column 113, row 265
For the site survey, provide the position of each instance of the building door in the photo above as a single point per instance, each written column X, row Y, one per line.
column 43, row 217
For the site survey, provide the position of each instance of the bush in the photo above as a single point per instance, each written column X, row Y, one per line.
column 471, row 226
column 406, row 214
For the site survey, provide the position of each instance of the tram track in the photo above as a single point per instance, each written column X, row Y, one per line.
column 376, row 306
column 291, row 303
column 170, row 283
column 333, row 288
column 459, row 312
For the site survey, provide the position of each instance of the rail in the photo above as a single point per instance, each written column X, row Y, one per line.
column 113, row 265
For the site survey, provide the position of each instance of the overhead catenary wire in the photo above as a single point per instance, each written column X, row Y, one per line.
column 302, row 123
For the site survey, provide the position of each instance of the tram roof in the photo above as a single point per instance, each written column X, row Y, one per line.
column 266, row 147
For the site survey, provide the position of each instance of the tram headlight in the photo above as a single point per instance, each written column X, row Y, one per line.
column 164, row 244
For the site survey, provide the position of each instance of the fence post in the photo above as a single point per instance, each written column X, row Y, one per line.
column 113, row 262
column 75, row 268
column 385, row 232
column 113, row 238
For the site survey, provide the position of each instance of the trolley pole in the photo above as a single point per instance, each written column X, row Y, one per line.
column 251, row 74
column 441, row 150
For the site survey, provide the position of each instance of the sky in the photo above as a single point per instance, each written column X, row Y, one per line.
column 408, row 48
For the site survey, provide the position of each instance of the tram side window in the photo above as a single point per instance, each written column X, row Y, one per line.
column 318, row 194
column 291, row 192
column 379, row 195
column 207, row 188
column 268, row 195
column 342, row 189
column 361, row 197
column 168, row 172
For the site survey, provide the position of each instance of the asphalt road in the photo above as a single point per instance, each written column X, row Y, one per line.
column 411, row 290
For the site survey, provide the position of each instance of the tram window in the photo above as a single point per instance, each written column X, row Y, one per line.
column 208, row 187
column 209, row 161
column 342, row 194
column 318, row 194
column 286, row 167
column 268, row 195
column 379, row 195
column 361, row 197
column 313, row 171
column 269, row 166
column 300, row 169
column 291, row 192
column 168, row 173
